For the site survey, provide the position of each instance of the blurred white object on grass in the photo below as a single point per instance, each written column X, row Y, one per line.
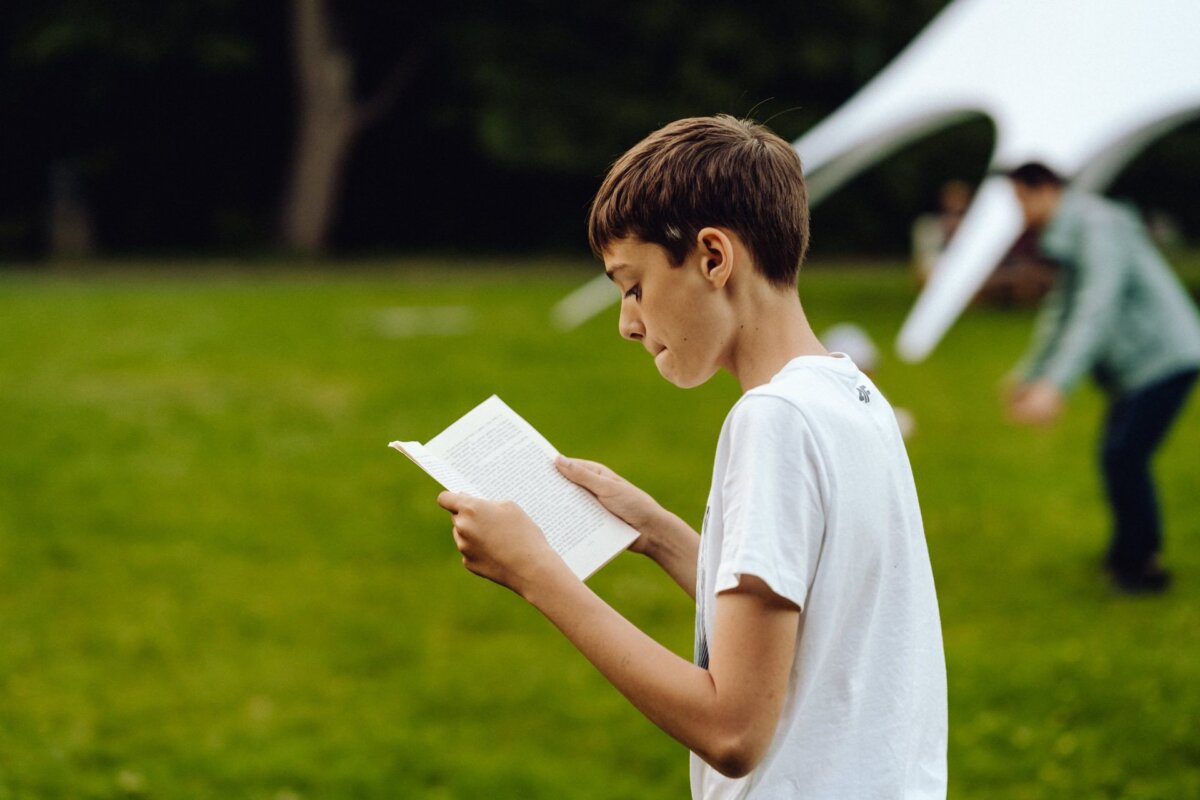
column 404, row 322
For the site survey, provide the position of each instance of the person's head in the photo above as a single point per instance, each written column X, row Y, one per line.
column 955, row 197
column 1038, row 189
column 695, row 208
column 708, row 172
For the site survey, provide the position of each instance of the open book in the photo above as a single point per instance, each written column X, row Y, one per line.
column 491, row 452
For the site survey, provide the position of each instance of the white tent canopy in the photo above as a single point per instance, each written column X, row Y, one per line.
column 1081, row 85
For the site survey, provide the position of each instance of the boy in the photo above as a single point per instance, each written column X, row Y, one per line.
column 818, row 669
column 1118, row 312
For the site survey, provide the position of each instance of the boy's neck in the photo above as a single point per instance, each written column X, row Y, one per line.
column 773, row 330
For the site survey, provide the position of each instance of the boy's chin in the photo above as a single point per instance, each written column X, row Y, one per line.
column 684, row 380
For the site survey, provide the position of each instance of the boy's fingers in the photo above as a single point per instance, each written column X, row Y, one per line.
column 581, row 466
column 580, row 472
column 595, row 467
column 451, row 501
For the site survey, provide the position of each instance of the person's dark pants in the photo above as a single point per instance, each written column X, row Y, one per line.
column 1137, row 423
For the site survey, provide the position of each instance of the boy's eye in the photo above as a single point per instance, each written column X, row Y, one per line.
column 635, row 291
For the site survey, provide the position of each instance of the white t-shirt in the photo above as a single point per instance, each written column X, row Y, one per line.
column 812, row 492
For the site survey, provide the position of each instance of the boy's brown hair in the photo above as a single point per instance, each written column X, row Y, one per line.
column 703, row 171
column 1035, row 175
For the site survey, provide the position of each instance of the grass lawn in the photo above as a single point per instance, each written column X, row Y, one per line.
column 216, row 581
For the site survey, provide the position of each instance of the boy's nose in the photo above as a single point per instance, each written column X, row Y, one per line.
column 629, row 325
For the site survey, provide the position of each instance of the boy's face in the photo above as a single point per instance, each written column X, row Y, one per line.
column 676, row 312
column 1038, row 203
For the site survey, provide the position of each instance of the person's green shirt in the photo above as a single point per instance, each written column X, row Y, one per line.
column 1116, row 308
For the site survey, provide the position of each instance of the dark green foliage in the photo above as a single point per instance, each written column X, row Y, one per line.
column 177, row 116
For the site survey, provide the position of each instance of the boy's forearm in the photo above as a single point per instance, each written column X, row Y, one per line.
column 676, row 695
column 673, row 545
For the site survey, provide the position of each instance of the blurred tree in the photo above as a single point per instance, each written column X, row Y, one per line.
column 69, row 218
column 231, row 125
column 148, row 101
column 329, row 118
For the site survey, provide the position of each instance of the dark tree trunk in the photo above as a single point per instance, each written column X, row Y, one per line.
column 328, row 120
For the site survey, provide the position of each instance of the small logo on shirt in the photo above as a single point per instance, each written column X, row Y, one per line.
column 864, row 394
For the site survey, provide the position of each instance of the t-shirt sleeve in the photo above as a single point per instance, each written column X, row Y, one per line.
column 774, row 512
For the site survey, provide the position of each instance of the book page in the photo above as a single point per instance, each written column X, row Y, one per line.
column 505, row 458
column 437, row 469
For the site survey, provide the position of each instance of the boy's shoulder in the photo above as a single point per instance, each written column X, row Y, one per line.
column 1079, row 212
column 821, row 380
column 810, row 390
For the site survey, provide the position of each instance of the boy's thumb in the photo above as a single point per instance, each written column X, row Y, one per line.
column 571, row 470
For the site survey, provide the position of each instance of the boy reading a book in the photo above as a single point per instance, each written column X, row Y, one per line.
column 818, row 668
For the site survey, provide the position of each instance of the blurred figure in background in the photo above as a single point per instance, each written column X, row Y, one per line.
column 1022, row 277
column 932, row 232
column 1118, row 311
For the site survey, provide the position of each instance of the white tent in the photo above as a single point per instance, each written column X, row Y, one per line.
column 1081, row 85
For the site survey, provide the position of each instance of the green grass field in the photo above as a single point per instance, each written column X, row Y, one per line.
column 217, row 582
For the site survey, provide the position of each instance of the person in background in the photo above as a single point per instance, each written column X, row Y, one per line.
column 1023, row 275
column 932, row 232
column 1117, row 311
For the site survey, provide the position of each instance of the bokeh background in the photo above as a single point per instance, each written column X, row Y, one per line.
column 184, row 127
column 244, row 245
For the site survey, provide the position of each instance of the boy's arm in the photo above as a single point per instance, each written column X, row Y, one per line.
column 1092, row 308
column 726, row 714
column 674, row 546
column 1046, row 330
column 665, row 538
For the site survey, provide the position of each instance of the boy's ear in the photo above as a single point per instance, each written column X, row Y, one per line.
column 715, row 255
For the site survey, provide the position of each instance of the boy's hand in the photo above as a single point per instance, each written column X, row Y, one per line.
column 616, row 494
column 1037, row 403
column 499, row 541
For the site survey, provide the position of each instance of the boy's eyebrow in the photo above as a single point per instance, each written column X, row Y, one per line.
column 609, row 272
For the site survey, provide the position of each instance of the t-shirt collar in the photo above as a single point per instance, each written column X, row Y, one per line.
column 837, row 362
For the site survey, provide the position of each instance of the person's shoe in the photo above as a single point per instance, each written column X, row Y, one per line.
column 1149, row 579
